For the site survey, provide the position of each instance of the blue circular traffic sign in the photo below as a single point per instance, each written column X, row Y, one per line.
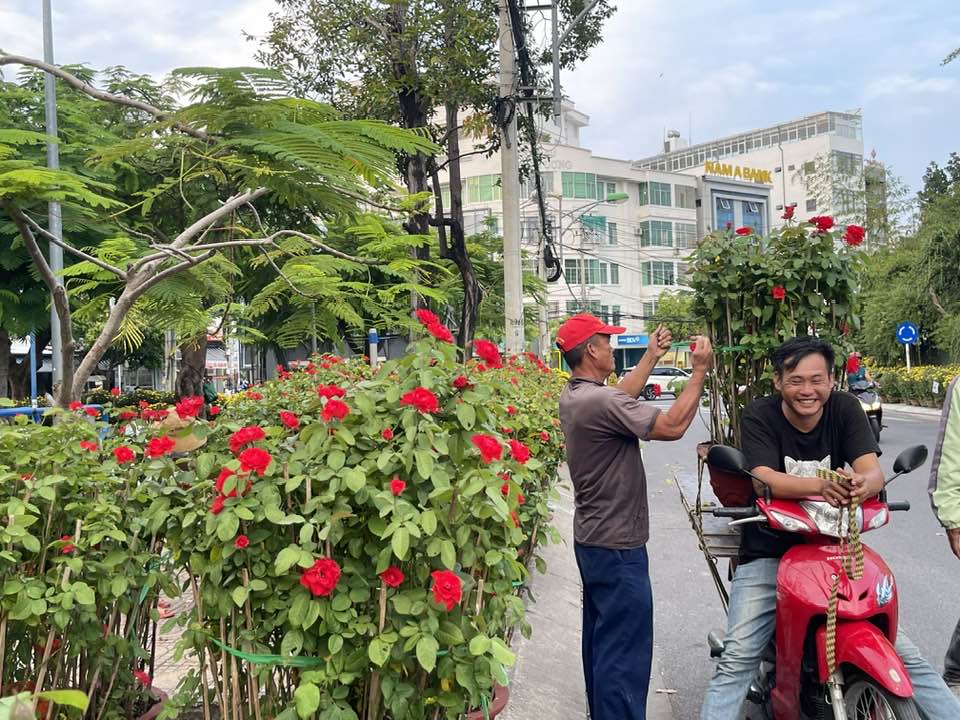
column 907, row 333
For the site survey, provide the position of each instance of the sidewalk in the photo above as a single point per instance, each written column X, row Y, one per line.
column 911, row 409
column 547, row 680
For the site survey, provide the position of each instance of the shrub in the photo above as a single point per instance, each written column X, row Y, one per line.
column 916, row 385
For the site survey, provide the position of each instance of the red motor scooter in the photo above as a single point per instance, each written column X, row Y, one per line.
column 793, row 680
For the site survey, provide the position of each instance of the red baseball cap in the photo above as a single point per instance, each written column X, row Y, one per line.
column 580, row 327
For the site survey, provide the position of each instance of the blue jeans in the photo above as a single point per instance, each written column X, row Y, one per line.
column 617, row 631
column 750, row 627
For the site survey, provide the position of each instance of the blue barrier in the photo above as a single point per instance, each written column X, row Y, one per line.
column 36, row 413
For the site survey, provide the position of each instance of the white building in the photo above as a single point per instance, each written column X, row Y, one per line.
column 619, row 256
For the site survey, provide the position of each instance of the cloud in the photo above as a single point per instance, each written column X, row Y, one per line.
column 901, row 84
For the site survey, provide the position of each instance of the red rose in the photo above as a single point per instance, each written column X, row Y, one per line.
column 189, row 407
column 115, row 392
column 335, row 409
column 255, row 459
column 778, row 292
column 289, row 419
column 441, row 332
column 421, row 399
column 69, row 547
column 127, row 415
column 218, row 502
column 744, row 230
column 92, row 412
column 446, row 588
column 392, row 576
column 426, row 317
column 515, row 518
column 123, row 454
column 221, row 480
column 521, row 499
column 788, row 212
column 505, row 489
column 160, row 446
column 823, row 222
column 461, row 382
column 142, row 678
column 544, row 436
column 397, row 486
column 310, row 369
column 489, row 447
column 729, row 225
column 488, row 352
column 88, row 445
column 511, row 410
column 144, row 404
column 214, row 411
column 506, row 430
column 387, row 434
column 248, row 434
column 519, row 451
column 241, row 542
column 330, row 391
column 254, row 395
column 853, row 235
column 75, row 405
column 322, row 578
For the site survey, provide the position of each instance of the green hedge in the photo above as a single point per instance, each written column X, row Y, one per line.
column 916, row 385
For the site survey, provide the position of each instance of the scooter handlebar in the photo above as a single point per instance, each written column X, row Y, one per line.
column 900, row 505
column 735, row 512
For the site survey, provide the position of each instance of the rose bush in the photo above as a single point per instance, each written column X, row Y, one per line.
column 756, row 292
column 383, row 545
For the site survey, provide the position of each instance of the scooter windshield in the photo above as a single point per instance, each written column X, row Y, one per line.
column 830, row 520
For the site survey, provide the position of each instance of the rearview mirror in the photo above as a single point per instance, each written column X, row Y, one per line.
column 910, row 459
column 727, row 458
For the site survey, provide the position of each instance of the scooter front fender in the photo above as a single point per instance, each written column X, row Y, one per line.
column 864, row 646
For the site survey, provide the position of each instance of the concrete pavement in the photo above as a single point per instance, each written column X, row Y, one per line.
column 547, row 680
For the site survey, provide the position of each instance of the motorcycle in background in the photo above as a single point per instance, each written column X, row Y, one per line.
column 867, row 393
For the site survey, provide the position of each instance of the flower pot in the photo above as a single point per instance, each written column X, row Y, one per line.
column 731, row 489
column 160, row 698
column 500, row 697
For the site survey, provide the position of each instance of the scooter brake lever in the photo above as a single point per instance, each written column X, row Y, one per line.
column 744, row 521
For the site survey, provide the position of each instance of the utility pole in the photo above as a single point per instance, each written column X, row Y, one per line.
column 55, row 224
column 510, row 189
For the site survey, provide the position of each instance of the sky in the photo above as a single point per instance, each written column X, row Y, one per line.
column 717, row 67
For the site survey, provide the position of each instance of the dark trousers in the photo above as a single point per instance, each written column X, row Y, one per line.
column 617, row 631
column 951, row 663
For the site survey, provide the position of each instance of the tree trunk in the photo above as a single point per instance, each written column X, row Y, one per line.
column 193, row 362
column 472, row 294
column 5, row 389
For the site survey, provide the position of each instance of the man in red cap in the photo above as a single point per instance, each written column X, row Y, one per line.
column 601, row 426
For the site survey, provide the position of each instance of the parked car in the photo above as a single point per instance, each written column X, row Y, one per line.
column 671, row 381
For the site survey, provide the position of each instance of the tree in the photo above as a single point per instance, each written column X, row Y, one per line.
column 253, row 138
column 406, row 62
column 674, row 310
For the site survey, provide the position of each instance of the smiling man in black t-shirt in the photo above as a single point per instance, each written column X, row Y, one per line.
column 786, row 438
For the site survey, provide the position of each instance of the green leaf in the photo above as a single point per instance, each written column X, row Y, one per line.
column 424, row 463
column 336, row 459
column 335, row 644
column 307, row 699
column 448, row 554
column 501, row 652
column 378, row 651
column 427, row 648
column 479, row 645
column 467, row 415
column 298, row 610
column 286, row 559
column 228, row 526
column 341, row 602
column 118, row 585
column 400, row 542
column 73, row 698
column 239, row 595
column 355, row 479
column 83, row 593
column 29, row 542
column 428, row 521
column 346, row 436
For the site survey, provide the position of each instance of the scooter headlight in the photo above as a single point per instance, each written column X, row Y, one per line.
column 789, row 523
column 830, row 520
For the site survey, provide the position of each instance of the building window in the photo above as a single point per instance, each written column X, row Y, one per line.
column 685, row 196
column 605, row 188
column 445, row 195
column 530, row 230
column 724, row 213
column 573, row 307
column 660, row 194
column 649, row 308
column 528, row 187
column 656, row 233
column 571, row 271
column 615, row 312
column 811, row 204
column 752, row 216
column 493, row 227
column 644, row 193
column 579, row 185
column 809, row 167
column 594, row 227
column 685, row 235
column 658, row 273
column 847, row 163
column 482, row 188
column 611, row 233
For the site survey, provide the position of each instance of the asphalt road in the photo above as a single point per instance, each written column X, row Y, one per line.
column 686, row 602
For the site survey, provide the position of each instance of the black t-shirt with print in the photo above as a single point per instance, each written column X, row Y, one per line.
column 768, row 439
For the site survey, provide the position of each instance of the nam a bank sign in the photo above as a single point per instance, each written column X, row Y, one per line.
column 737, row 172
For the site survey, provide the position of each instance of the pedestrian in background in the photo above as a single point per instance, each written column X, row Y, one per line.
column 945, row 497
column 602, row 425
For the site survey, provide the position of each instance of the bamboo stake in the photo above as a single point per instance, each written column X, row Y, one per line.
column 373, row 702
column 251, row 675
column 95, row 680
column 234, row 673
column 225, row 671
column 3, row 646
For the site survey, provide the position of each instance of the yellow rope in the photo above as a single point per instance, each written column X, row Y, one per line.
column 852, row 550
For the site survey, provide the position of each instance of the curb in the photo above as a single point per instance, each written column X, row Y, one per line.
column 911, row 410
